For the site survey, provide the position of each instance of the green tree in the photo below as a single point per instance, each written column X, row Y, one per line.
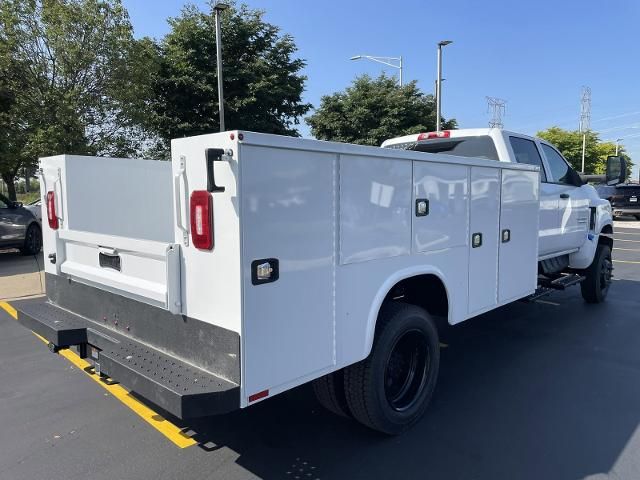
column 373, row 110
column 75, row 81
column 262, row 81
column 569, row 142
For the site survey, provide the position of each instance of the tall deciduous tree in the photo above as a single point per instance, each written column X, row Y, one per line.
column 75, row 80
column 373, row 110
column 263, row 84
column 569, row 142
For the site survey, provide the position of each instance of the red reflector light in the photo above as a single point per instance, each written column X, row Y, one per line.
column 258, row 396
column 202, row 219
column 430, row 135
column 52, row 216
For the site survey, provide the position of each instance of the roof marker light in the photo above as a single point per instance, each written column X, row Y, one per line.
column 431, row 135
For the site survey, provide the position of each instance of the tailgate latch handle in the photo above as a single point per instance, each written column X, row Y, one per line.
column 213, row 155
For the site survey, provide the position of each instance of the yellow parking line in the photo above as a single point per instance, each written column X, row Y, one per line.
column 625, row 261
column 157, row 421
column 9, row 309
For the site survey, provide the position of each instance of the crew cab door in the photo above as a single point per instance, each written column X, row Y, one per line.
column 526, row 150
column 573, row 206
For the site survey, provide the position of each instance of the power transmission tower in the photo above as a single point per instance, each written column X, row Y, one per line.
column 497, row 107
column 585, row 119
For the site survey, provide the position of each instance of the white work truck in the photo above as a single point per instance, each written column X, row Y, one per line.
column 253, row 263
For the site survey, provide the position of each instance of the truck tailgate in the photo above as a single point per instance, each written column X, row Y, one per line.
column 144, row 270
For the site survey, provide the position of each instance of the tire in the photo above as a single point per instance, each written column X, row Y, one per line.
column 598, row 276
column 329, row 391
column 32, row 240
column 381, row 391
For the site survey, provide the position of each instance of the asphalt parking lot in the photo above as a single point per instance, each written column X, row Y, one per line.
column 529, row 391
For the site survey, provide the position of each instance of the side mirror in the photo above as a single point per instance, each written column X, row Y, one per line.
column 616, row 170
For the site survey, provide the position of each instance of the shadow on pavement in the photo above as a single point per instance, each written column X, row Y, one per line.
column 544, row 390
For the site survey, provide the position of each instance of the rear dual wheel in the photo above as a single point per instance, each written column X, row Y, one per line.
column 390, row 390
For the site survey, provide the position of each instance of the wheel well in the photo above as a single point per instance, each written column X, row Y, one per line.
column 426, row 291
column 604, row 239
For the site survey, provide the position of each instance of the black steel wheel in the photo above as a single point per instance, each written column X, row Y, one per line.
column 406, row 373
column 32, row 240
column 390, row 390
column 598, row 276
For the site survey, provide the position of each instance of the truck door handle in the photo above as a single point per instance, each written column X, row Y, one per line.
column 179, row 179
column 213, row 155
column 564, row 195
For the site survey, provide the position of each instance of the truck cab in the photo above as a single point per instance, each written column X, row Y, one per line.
column 570, row 211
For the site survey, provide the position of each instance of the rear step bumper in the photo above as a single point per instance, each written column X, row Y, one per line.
column 177, row 387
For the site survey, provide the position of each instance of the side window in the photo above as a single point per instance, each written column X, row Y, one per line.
column 526, row 152
column 560, row 171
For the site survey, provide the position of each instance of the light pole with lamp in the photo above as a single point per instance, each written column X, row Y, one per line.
column 617, row 145
column 441, row 44
column 218, row 9
column 389, row 61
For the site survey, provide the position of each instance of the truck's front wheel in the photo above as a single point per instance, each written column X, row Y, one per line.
column 598, row 276
column 389, row 391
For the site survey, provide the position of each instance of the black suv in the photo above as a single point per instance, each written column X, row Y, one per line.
column 624, row 199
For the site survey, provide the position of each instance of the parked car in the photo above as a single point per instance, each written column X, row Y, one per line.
column 624, row 199
column 35, row 207
column 19, row 227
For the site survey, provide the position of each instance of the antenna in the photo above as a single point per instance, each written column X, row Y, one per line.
column 585, row 119
column 497, row 107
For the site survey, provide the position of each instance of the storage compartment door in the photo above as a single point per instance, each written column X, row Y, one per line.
column 288, row 225
column 484, row 238
column 518, row 267
column 445, row 189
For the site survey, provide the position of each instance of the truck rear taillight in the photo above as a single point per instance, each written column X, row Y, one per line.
column 52, row 216
column 201, row 206
column 430, row 135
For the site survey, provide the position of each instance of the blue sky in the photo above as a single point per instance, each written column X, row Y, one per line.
column 536, row 55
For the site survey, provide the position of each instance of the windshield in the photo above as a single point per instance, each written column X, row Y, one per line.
column 479, row 146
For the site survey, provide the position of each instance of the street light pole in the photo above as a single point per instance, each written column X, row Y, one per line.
column 617, row 145
column 439, row 85
column 385, row 61
column 218, row 8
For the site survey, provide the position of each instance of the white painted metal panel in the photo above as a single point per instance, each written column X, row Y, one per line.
column 361, row 287
column 549, row 239
column 124, row 197
column 446, row 187
column 52, row 179
column 288, row 213
column 149, row 270
column 484, row 220
column 375, row 208
column 211, row 279
column 518, row 267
